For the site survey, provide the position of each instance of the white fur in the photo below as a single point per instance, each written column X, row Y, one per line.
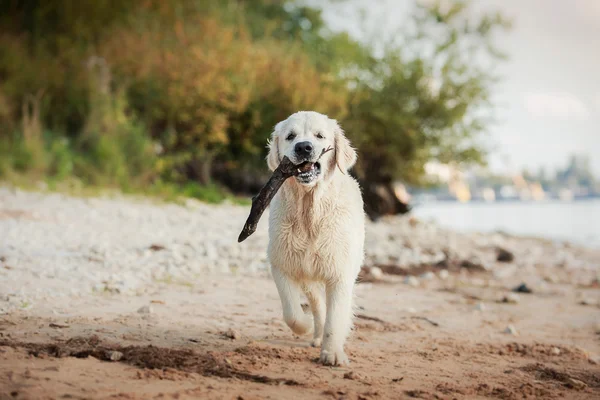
column 316, row 235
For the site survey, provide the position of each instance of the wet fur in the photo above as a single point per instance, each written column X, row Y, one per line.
column 316, row 237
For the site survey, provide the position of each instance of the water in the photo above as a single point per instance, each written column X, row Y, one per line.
column 577, row 222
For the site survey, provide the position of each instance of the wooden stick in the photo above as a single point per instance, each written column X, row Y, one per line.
column 261, row 201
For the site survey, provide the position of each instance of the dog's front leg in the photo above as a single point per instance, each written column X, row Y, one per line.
column 298, row 321
column 337, row 323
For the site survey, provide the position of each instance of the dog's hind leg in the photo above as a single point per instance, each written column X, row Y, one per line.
column 315, row 294
column 289, row 292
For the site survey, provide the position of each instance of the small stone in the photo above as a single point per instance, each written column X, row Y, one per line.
column 575, row 384
column 511, row 298
column 444, row 274
column 473, row 265
column 480, row 306
column 57, row 325
column 555, row 351
column 354, row 376
column 511, row 330
column 522, row 288
column 428, row 276
column 233, row 334
column 145, row 310
column 588, row 302
column 115, row 355
column 412, row 281
column 376, row 273
column 503, row 255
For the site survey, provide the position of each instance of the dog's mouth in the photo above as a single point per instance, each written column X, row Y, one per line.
column 310, row 175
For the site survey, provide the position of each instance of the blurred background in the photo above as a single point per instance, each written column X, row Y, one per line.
column 481, row 115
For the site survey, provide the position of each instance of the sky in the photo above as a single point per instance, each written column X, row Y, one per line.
column 548, row 103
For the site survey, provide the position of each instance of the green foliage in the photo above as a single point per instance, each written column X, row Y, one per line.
column 154, row 93
column 426, row 98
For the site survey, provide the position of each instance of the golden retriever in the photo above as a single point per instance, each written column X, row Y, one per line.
column 316, row 231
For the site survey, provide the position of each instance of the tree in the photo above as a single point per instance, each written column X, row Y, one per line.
column 427, row 98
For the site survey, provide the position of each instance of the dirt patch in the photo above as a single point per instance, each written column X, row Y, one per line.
column 577, row 380
column 540, row 351
column 370, row 323
column 148, row 357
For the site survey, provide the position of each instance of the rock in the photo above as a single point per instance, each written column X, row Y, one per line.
column 443, row 274
column 376, row 273
column 555, row 351
column 511, row 330
column 233, row 334
column 522, row 288
column 145, row 310
column 412, row 281
column 57, row 325
column 575, row 384
column 503, row 255
column 355, row 376
column 511, row 298
column 480, row 306
column 114, row 355
column 587, row 301
column 472, row 265
column 428, row 276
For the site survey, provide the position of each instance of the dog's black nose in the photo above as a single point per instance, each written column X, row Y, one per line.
column 303, row 149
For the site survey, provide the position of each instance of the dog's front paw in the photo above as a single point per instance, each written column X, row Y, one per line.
column 334, row 357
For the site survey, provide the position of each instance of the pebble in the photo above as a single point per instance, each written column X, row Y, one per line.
column 443, row 274
column 576, row 384
column 428, row 276
column 233, row 334
column 511, row 330
column 412, row 281
column 376, row 273
column 145, row 310
column 588, row 301
column 504, row 255
column 522, row 288
column 555, row 351
column 480, row 306
column 511, row 298
column 115, row 355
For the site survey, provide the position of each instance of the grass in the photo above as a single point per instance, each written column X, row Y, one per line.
column 112, row 165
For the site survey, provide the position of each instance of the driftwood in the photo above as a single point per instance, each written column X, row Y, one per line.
column 260, row 202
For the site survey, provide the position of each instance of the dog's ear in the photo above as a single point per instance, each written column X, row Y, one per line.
column 345, row 155
column 273, row 158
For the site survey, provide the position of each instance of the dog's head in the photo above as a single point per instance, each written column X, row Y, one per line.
column 303, row 137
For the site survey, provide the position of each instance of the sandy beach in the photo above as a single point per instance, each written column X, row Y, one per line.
column 126, row 298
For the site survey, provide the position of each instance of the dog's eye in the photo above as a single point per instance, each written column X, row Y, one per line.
column 291, row 136
column 320, row 136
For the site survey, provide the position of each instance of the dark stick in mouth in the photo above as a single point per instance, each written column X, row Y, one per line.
column 260, row 202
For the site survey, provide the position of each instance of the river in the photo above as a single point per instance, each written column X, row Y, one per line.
column 577, row 222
